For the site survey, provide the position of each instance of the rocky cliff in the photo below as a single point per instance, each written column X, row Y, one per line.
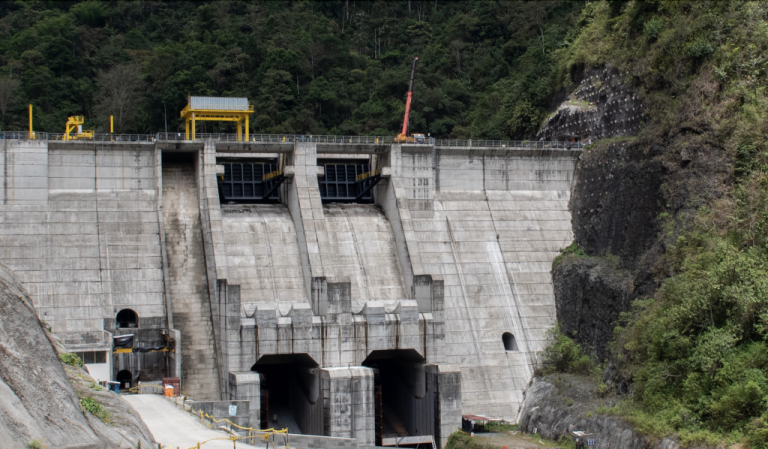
column 558, row 404
column 40, row 399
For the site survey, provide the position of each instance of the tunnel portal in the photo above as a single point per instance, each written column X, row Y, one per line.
column 290, row 393
column 404, row 398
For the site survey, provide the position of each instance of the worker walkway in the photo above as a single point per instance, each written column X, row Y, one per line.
column 175, row 428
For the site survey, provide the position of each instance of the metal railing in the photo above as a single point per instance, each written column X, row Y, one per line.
column 106, row 137
column 23, row 135
column 293, row 138
column 508, row 144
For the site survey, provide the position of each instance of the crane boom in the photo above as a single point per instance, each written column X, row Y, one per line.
column 408, row 101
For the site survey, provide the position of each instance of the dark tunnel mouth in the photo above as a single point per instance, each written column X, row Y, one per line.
column 291, row 392
column 399, row 383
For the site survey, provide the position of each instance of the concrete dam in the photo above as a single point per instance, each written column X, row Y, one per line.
column 356, row 290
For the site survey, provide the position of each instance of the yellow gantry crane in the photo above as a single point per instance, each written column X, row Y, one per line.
column 75, row 124
column 218, row 109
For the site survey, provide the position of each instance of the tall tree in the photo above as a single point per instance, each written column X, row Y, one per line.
column 8, row 89
column 120, row 94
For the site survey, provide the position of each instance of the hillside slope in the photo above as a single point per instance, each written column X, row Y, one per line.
column 667, row 280
column 40, row 400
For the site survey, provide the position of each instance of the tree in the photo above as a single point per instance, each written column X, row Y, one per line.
column 8, row 89
column 120, row 94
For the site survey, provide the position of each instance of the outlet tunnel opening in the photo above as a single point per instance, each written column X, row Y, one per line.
column 251, row 181
column 403, row 398
column 290, row 393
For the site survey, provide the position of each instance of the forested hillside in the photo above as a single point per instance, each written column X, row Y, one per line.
column 673, row 223
column 486, row 69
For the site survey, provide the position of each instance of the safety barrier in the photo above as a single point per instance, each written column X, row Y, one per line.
column 293, row 138
column 146, row 389
column 23, row 135
column 252, row 435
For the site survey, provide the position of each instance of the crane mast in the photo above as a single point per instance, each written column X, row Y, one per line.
column 408, row 100
column 403, row 136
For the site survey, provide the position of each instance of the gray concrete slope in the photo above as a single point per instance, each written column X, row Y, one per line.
column 360, row 247
column 262, row 256
column 188, row 283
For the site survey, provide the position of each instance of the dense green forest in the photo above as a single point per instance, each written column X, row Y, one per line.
column 486, row 69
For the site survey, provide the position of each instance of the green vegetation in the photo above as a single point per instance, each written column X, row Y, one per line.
column 563, row 355
column 696, row 352
column 71, row 359
column 486, row 69
column 94, row 408
column 570, row 250
column 37, row 443
column 93, row 386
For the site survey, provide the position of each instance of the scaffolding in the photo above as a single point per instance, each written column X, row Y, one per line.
column 218, row 109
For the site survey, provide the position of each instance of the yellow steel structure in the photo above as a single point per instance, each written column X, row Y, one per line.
column 31, row 133
column 191, row 115
column 75, row 123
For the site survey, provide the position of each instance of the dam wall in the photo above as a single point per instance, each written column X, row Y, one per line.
column 437, row 292
column 488, row 223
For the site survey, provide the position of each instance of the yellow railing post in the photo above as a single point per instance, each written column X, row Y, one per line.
column 111, row 124
column 193, row 126
column 31, row 133
column 246, row 128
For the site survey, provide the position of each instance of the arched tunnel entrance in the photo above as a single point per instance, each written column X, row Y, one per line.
column 404, row 398
column 290, row 393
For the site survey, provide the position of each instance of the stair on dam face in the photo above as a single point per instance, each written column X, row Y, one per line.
column 262, row 255
column 188, row 284
column 361, row 248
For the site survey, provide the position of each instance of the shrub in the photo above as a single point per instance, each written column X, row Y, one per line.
column 572, row 249
column 653, row 27
column 37, row 443
column 757, row 432
column 460, row 440
column 563, row 355
column 71, row 359
column 699, row 48
column 94, row 408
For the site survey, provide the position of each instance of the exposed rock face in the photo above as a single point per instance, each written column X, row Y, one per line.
column 603, row 105
column 37, row 398
column 551, row 414
column 621, row 186
column 591, row 293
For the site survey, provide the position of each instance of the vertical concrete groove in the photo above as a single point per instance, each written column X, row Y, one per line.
column 460, row 272
column 364, row 278
column 271, row 260
column 209, row 257
column 161, row 227
column 188, row 282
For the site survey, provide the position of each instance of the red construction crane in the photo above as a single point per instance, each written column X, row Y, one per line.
column 403, row 137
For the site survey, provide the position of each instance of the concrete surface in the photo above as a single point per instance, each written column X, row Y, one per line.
column 175, row 428
column 456, row 251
